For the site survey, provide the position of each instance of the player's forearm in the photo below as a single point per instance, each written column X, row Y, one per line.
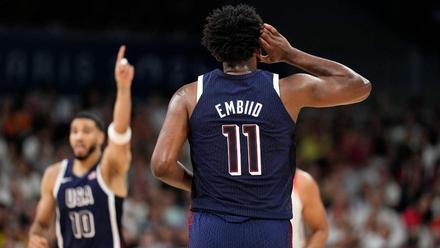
column 317, row 239
column 122, row 109
column 320, row 67
column 183, row 181
column 172, row 174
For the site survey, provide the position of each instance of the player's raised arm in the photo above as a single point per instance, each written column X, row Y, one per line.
column 38, row 234
column 328, row 84
column 173, row 135
column 117, row 155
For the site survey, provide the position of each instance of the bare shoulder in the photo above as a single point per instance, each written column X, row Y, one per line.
column 297, row 81
column 304, row 176
column 189, row 88
column 306, row 184
column 297, row 88
column 52, row 170
column 294, row 91
column 51, row 174
column 187, row 92
column 185, row 95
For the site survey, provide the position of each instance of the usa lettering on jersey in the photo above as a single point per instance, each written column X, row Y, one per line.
column 79, row 196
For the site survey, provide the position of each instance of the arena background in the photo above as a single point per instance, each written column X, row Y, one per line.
column 377, row 162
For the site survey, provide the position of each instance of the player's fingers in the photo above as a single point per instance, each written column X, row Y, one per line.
column 123, row 65
column 126, row 71
column 129, row 70
column 121, row 54
column 269, row 38
column 264, row 43
column 268, row 32
column 269, row 27
column 32, row 244
column 265, row 35
column 45, row 244
column 273, row 30
column 124, row 62
column 38, row 242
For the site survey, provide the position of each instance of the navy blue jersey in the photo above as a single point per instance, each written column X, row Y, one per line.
column 88, row 214
column 242, row 146
column 229, row 231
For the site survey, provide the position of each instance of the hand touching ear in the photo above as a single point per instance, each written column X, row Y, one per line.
column 276, row 45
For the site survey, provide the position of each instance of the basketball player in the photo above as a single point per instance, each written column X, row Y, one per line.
column 308, row 213
column 240, row 123
column 87, row 191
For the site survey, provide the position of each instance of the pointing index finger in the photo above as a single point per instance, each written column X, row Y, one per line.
column 121, row 53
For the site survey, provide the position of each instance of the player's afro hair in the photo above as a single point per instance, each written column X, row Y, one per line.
column 232, row 33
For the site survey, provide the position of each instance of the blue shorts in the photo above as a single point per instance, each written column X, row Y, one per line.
column 208, row 230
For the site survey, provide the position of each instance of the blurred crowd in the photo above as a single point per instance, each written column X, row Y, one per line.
column 377, row 164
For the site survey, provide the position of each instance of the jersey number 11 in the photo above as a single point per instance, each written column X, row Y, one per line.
column 252, row 133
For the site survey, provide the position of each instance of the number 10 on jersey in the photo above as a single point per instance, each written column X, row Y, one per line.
column 252, row 133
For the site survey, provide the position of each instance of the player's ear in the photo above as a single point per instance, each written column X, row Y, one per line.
column 258, row 54
column 101, row 138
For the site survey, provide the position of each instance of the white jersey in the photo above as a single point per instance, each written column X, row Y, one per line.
column 298, row 232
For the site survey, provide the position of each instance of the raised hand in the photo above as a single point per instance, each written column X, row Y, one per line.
column 36, row 241
column 276, row 45
column 124, row 71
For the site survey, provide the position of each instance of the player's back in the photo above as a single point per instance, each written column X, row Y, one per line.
column 88, row 213
column 242, row 146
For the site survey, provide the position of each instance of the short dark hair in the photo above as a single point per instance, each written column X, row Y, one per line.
column 92, row 116
column 232, row 33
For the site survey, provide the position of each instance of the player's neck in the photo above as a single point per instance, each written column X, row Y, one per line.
column 83, row 166
column 238, row 68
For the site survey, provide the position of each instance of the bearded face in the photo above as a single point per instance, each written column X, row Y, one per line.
column 85, row 137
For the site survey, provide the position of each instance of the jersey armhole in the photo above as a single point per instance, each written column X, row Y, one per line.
column 60, row 177
column 102, row 183
column 111, row 207
column 199, row 92
column 276, row 87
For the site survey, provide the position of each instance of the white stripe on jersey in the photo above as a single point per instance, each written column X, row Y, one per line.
column 61, row 172
column 111, row 207
column 298, row 236
column 58, row 229
column 60, row 176
column 199, row 87
column 276, row 83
